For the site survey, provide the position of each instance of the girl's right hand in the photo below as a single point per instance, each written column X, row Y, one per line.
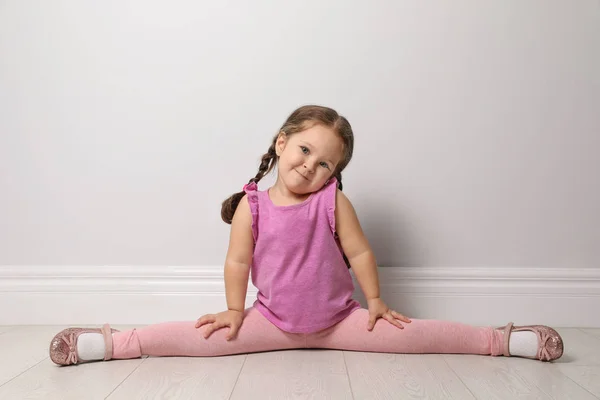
column 231, row 318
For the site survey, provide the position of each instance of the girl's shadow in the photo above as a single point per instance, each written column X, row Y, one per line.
column 388, row 232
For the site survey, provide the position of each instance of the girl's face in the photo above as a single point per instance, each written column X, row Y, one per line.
column 308, row 159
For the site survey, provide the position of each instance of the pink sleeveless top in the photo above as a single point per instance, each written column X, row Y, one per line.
column 303, row 283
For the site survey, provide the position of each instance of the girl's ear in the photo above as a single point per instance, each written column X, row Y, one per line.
column 280, row 143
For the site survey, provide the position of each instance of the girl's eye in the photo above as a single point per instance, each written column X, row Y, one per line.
column 304, row 149
column 324, row 165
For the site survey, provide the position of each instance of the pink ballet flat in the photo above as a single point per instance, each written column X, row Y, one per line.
column 63, row 347
column 550, row 344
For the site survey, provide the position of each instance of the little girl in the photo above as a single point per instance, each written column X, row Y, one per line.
column 298, row 238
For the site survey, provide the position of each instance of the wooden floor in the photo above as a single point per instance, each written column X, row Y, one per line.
column 26, row 372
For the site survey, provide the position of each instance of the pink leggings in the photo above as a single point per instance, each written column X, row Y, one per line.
column 258, row 334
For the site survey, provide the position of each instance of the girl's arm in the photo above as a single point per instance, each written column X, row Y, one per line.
column 362, row 260
column 237, row 270
column 239, row 257
column 356, row 246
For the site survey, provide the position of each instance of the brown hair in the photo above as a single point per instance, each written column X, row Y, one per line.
column 301, row 119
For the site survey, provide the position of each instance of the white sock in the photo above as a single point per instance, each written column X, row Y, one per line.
column 523, row 343
column 90, row 346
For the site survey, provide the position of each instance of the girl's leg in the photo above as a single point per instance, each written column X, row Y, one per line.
column 184, row 339
column 419, row 336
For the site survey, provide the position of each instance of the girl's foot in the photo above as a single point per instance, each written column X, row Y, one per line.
column 537, row 342
column 64, row 349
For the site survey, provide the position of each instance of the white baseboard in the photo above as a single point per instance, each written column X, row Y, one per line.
column 58, row 295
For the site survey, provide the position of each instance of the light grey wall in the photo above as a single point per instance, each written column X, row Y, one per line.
column 124, row 124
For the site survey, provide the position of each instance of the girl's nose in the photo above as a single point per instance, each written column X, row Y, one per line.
column 309, row 166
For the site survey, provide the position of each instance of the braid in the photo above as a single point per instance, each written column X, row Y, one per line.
column 267, row 163
column 338, row 176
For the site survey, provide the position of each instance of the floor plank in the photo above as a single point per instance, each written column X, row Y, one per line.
column 398, row 376
column 581, row 361
column 493, row 378
column 293, row 374
column 182, row 378
column 587, row 376
column 22, row 348
column 5, row 328
column 85, row 381
column 580, row 348
column 549, row 378
column 593, row 332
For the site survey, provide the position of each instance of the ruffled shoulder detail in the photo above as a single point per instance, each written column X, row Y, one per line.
column 330, row 195
column 251, row 190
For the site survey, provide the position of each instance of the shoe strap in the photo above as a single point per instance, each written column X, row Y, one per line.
column 108, row 342
column 507, row 331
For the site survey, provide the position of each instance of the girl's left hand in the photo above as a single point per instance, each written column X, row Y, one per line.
column 378, row 309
